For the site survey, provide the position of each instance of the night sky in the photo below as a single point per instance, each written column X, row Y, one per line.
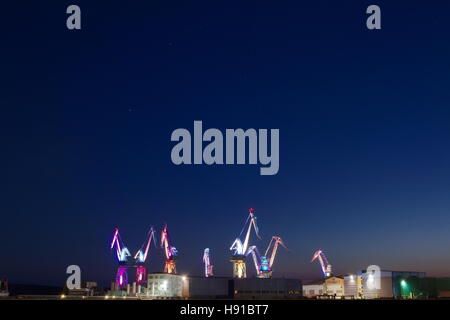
column 86, row 119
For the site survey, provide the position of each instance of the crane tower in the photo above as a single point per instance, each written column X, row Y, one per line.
column 240, row 249
column 207, row 262
column 169, row 251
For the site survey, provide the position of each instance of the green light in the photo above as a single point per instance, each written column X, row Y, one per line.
column 403, row 283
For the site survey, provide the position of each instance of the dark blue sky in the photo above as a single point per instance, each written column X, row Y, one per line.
column 364, row 119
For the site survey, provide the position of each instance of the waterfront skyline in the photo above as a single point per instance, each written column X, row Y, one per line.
column 363, row 118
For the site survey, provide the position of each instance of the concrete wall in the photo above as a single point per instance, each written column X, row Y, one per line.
column 384, row 291
column 162, row 285
column 203, row 288
column 313, row 290
column 255, row 288
column 353, row 286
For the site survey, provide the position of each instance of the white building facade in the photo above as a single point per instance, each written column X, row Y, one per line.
column 164, row 285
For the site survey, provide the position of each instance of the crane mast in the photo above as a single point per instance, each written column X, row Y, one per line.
column 240, row 249
column 122, row 254
column 169, row 251
column 207, row 262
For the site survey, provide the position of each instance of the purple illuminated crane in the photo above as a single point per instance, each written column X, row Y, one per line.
column 122, row 254
column 125, row 260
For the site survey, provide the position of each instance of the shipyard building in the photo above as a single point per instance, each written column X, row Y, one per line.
column 172, row 286
column 364, row 285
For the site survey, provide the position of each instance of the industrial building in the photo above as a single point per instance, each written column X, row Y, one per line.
column 273, row 288
column 353, row 286
column 332, row 287
column 165, row 285
column 386, row 285
column 361, row 284
column 87, row 289
column 422, row 287
column 173, row 286
column 208, row 288
column 313, row 289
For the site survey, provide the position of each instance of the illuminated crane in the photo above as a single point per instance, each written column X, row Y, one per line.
column 169, row 251
column 262, row 264
column 207, row 262
column 266, row 266
column 126, row 261
column 324, row 264
column 141, row 256
column 122, row 254
column 253, row 250
column 240, row 249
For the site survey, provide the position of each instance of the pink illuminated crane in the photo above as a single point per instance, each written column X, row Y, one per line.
column 324, row 264
column 207, row 262
column 262, row 264
column 275, row 241
column 169, row 251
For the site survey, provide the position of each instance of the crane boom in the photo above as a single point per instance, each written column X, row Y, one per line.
column 239, row 247
column 252, row 219
column 324, row 264
column 141, row 254
column 263, row 265
column 275, row 241
column 121, row 251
